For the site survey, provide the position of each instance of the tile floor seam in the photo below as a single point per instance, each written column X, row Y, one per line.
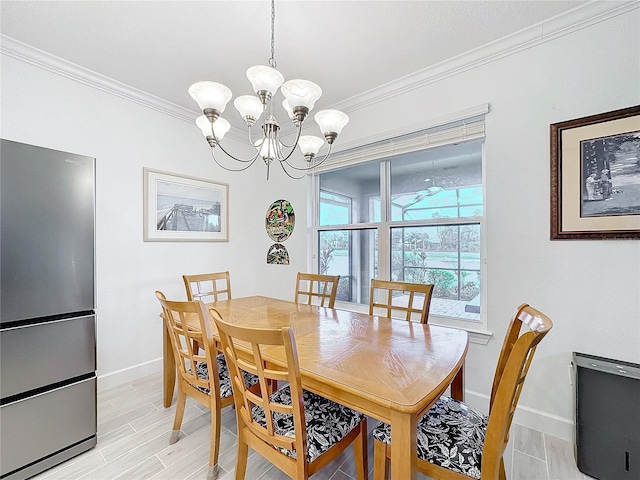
column 161, row 462
column 531, row 456
column 546, row 456
column 515, row 469
column 512, row 449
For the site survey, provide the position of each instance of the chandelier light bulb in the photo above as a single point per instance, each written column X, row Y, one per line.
column 265, row 81
column 220, row 127
column 211, row 97
column 267, row 149
column 250, row 108
column 204, row 125
column 289, row 110
column 310, row 145
column 331, row 123
column 301, row 94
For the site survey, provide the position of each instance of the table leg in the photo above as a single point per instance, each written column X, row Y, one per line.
column 404, row 453
column 457, row 386
column 168, row 368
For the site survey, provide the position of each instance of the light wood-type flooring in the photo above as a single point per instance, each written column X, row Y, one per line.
column 133, row 444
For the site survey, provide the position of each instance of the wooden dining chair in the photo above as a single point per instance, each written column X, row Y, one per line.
column 456, row 442
column 312, row 288
column 208, row 287
column 298, row 431
column 205, row 377
column 392, row 296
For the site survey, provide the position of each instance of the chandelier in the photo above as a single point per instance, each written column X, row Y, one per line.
column 300, row 97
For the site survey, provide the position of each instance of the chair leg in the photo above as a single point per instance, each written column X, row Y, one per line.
column 177, row 422
column 215, row 442
column 213, row 472
column 360, row 452
column 502, row 474
column 241, row 456
column 380, row 461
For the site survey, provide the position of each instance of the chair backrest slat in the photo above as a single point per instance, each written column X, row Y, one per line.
column 315, row 289
column 527, row 328
column 177, row 316
column 208, row 287
column 244, row 349
column 416, row 305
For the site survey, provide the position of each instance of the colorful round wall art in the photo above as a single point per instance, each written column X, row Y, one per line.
column 280, row 220
column 277, row 255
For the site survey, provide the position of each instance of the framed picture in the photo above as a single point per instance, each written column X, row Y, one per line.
column 595, row 176
column 178, row 208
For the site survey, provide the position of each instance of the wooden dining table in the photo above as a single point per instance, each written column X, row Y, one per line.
column 391, row 370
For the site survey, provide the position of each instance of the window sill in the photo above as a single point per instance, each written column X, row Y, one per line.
column 477, row 333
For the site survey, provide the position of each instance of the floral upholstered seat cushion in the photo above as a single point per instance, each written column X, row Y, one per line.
column 328, row 422
column 223, row 372
column 450, row 435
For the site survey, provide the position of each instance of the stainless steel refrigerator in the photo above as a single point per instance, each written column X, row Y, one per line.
column 47, row 308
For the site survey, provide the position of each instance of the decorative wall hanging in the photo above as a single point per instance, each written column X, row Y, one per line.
column 595, row 176
column 277, row 255
column 280, row 220
column 181, row 208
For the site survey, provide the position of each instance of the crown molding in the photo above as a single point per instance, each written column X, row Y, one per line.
column 573, row 20
column 566, row 23
column 39, row 58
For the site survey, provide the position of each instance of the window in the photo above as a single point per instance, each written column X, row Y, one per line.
column 415, row 216
column 350, row 249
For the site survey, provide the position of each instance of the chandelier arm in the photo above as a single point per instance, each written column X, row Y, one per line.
column 293, row 149
column 295, row 143
column 255, row 143
column 249, row 136
column 292, row 176
column 326, row 155
column 250, row 163
column 251, row 160
column 311, row 167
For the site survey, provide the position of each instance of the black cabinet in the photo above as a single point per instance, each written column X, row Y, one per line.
column 607, row 396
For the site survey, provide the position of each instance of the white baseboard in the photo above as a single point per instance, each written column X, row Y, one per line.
column 129, row 374
column 544, row 422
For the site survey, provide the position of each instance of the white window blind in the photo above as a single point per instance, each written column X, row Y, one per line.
column 454, row 131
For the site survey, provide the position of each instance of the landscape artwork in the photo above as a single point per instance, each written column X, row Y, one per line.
column 180, row 208
column 185, row 208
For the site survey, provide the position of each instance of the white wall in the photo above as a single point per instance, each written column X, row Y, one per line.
column 279, row 280
column 45, row 109
column 589, row 288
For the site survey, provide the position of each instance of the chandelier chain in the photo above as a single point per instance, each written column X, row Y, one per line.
column 272, row 60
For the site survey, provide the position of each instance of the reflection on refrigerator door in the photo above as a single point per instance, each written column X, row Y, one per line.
column 47, row 308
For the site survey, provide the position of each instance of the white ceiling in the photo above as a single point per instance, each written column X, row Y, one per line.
column 347, row 47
